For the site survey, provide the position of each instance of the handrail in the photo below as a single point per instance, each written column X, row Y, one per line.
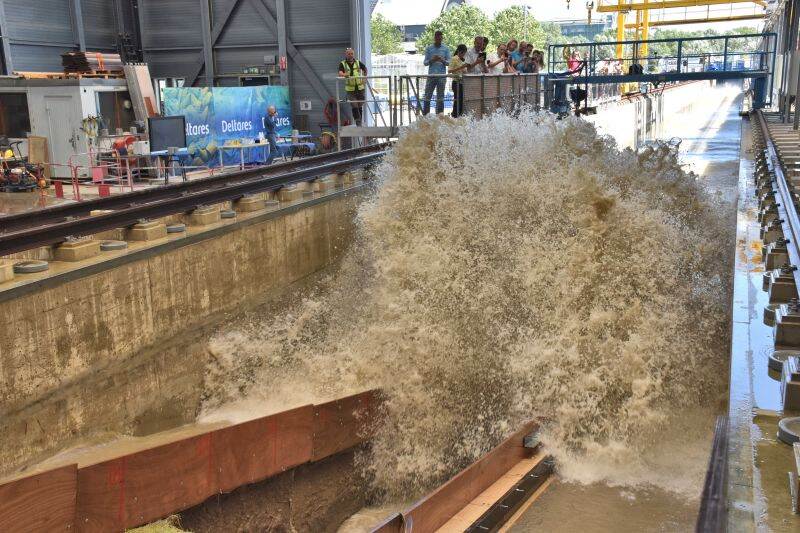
column 676, row 39
column 768, row 42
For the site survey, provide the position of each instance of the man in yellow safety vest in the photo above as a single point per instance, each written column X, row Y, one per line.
column 354, row 71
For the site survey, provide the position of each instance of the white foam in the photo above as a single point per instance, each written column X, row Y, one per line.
column 505, row 269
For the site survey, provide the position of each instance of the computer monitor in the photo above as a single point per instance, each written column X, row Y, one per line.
column 166, row 132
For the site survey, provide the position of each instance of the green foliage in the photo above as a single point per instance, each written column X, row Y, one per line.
column 386, row 37
column 515, row 23
column 460, row 25
column 552, row 34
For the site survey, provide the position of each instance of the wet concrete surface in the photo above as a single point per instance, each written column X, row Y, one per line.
column 569, row 507
column 21, row 202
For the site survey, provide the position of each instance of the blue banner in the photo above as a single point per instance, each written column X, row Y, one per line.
column 222, row 115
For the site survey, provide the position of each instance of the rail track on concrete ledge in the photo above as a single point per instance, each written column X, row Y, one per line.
column 52, row 225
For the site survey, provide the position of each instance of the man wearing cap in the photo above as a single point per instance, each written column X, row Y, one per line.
column 354, row 72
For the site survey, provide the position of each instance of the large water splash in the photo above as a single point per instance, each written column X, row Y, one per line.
column 506, row 269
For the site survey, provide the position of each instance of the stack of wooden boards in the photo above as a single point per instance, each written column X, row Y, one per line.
column 89, row 62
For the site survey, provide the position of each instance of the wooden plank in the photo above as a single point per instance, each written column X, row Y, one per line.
column 44, row 502
column 38, row 153
column 344, row 423
column 101, row 497
column 393, row 524
column 255, row 450
column 142, row 487
column 465, row 517
column 433, row 511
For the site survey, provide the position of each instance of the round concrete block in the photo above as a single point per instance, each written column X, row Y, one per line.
column 112, row 246
column 777, row 358
column 30, row 267
column 789, row 430
column 769, row 315
column 176, row 228
column 227, row 213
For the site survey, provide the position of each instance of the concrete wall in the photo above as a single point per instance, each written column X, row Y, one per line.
column 118, row 349
column 648, row 113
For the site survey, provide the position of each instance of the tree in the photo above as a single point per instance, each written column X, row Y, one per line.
column 515, row 23
column 460, row 25
column 552, row 34
column 386, row 37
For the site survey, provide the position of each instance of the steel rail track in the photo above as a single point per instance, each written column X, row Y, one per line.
column 787, row 208
column 54, row 225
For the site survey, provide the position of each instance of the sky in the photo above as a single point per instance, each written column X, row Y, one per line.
column 404, row 12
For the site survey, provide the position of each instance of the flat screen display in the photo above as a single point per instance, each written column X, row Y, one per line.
column 166, row 132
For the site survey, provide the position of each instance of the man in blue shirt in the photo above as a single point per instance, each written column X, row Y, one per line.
column 437, row 57
column 271, row 131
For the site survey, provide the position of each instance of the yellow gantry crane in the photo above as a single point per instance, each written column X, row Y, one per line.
column 643, row 23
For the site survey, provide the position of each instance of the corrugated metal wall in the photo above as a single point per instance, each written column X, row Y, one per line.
column 38, row 31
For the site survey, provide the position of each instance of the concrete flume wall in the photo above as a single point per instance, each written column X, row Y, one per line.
column 98, row 353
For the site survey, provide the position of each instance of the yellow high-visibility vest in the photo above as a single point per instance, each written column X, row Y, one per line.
column 355, row 81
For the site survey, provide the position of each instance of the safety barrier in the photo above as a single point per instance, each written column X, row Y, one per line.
column 392, row 102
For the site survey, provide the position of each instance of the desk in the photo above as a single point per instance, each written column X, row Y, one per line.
column 158, row 154
column 292, row 143
column 242, row 148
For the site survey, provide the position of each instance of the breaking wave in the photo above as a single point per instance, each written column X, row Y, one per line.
column 506, row 269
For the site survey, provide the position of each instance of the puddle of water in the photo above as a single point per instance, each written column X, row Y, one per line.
column 569, row 507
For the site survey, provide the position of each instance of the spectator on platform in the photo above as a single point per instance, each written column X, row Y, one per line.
column 437, row 57
column 574, row 62
column 527, row 64
column 354, row 71
column 476, row 57
column 498, row 61
column 271, row 132
column 514, row 55
column 537, row 57
column 457, row 68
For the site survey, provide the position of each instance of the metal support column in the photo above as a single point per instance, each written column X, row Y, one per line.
column 645, row 30
column 77, row 16
column 208, row 43
column 280, row 15
column 620, row 32
column 8, row 62
column 299, row 60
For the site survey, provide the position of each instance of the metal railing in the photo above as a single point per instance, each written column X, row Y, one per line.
column 392, row 102
column 724, row 53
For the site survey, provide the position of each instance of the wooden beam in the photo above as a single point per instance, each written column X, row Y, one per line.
column 42, row 502
column 434, row 510
column 136, row 484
